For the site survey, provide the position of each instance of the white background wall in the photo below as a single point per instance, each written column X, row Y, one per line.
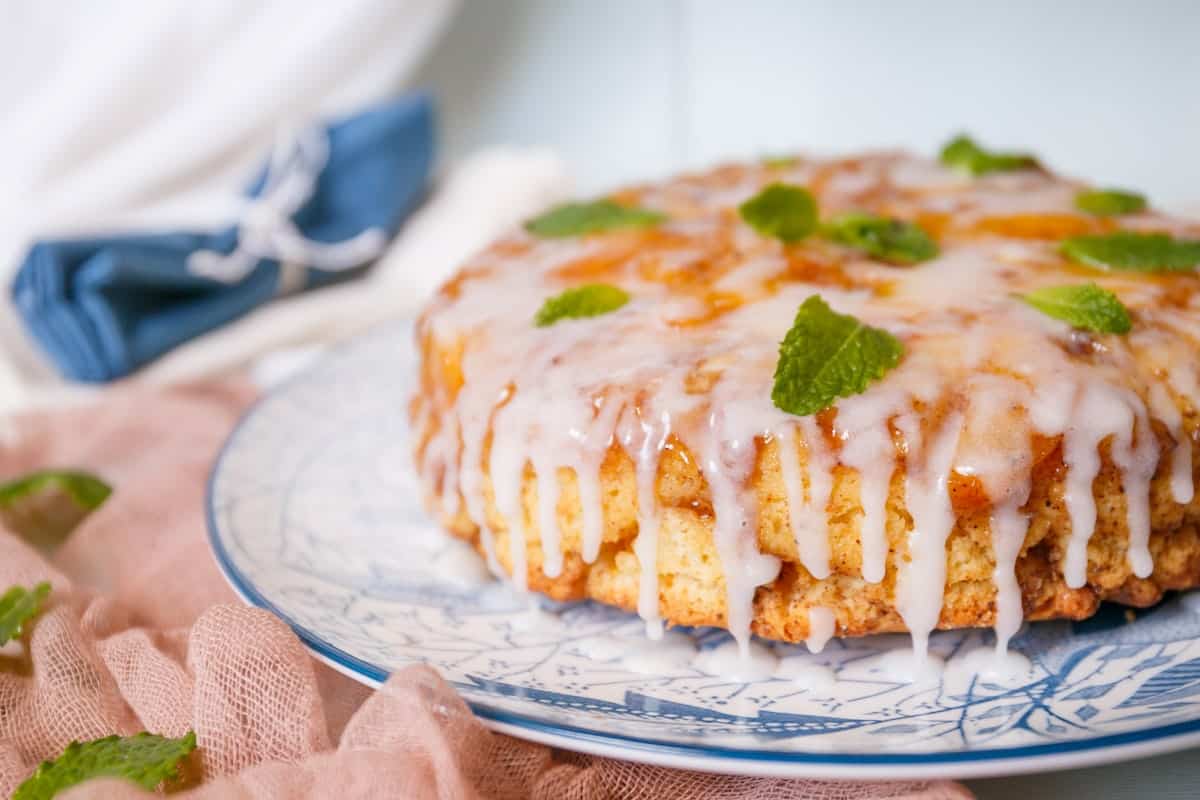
column 628, row 89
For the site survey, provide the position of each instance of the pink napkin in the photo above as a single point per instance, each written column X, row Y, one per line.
column 141, row 633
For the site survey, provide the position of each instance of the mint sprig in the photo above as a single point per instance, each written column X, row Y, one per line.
column 1125, row 251
column 578, row 219
column 781, row 211
column 18, row 605
column 1086, row 306
column 591, row 300
column 1109, row 202
column 827, row 355
column 892, row 240
column 146, row 759
column 962, row 153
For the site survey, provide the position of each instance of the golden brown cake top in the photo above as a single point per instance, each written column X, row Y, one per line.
column 985, row 380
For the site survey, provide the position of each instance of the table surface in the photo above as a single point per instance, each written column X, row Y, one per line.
column 1170, row 777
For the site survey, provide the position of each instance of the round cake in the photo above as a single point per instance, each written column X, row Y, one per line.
column 813, row 397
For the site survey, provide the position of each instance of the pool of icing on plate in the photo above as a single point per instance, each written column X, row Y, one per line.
column 679, row 363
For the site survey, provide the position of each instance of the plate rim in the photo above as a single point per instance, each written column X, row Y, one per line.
column 984, row 763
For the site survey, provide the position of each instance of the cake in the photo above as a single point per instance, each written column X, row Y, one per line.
column 881, row 393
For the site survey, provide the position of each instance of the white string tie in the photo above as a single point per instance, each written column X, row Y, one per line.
column 266, row 230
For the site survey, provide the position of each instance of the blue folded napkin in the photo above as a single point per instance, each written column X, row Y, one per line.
column 325, row 205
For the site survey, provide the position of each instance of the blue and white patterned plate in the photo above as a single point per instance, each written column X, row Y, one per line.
column 314, row 514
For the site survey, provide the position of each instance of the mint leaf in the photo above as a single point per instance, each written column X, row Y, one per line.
column 780, row 211
column 1085, row 306
column 1125, row 251
column 146, row 759
column 963, row 154
column 779, row 162
column 84, row 488
column 44, row 507
column 1109, row 202
column 827, row 355
column 891, row 240
column 19, row 605
column 591, row 300
column 577, row 219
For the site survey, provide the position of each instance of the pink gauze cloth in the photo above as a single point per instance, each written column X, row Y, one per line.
column 141, row 633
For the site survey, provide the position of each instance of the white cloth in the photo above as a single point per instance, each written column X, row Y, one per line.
column 149, row 115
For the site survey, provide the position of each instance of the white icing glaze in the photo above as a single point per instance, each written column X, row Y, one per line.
column 672, row 652
column 544, row 399
column 922, row 577
column 821, row 626
column 805, row 672
column 807, row 509
column 646, row 437
column 458, row 564
column 737, row 661
column 536, row 618
column 908, row 665
column 997, row 666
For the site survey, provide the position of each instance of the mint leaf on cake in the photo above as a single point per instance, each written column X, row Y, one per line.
column 1085, row 306
column 781, row 211
column 965, row 155
column 827, row 355
column 1125, row 251
column 578, row 219
column 892, row 240
column 1109, row 202
column 583, row 301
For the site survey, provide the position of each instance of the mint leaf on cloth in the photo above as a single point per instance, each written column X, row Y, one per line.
column 1109, row 202
column 1085, row 306
column 827, row 355
column 19, row 605
column 577, row 219
column 1125, row 251
column 591, row 300
column 892, row 240
column 84, row 488
column 963, row 154
column 44, row 507
column 781, row 211
column 146, row 759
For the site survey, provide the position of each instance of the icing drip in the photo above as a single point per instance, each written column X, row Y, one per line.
column 507, row 470
column 726, row 464
column 594, row 446
column 1182, row 488
column 821, row 626
column 737, row 661
column 1008, row 525
column 922, row 578
column 807, row 514
column 871, row 453
column 647, row 438
column 1100, row 411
